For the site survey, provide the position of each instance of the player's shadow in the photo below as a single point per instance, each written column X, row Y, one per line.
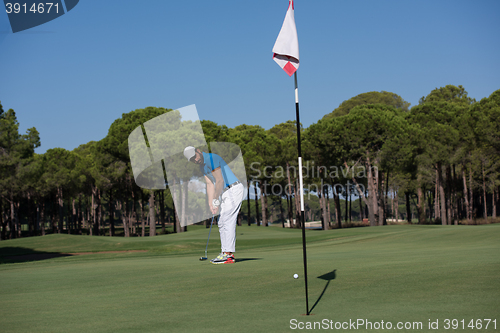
column 327, row 277
column 246, row 259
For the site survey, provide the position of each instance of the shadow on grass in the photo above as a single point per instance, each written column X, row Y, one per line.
column 327, row 277
column 21, row 254
column 246, row 259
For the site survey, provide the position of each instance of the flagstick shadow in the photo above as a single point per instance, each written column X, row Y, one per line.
column 328, row 277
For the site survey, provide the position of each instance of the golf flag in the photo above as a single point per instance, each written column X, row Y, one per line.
column 286, row 48
column 286, row 55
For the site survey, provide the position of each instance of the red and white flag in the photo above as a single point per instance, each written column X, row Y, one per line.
column 286, row 48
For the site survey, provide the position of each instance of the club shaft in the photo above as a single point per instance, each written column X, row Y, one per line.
column 206, row 248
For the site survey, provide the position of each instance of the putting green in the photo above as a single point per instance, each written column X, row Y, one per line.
column 396, row 274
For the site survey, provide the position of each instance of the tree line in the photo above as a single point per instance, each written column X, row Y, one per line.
column 438, row 160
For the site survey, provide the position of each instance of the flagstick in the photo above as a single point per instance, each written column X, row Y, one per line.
column 302, row 214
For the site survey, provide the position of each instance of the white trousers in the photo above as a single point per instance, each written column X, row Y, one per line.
column 230, row 206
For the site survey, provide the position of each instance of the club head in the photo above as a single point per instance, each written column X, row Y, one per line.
column 203, row 258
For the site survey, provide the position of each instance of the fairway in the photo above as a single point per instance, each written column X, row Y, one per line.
column 406, row 274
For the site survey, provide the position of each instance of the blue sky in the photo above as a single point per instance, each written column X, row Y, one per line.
column 72, row 77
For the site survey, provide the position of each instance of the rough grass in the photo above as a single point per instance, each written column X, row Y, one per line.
column 390, row 273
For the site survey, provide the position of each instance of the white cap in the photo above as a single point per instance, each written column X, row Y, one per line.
column 189, row 152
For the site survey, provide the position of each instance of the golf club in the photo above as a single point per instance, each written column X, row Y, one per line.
column 206, row 248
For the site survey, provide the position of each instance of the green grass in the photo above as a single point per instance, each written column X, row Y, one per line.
column 390, row 273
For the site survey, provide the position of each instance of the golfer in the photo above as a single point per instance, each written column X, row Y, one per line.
column 224, row 192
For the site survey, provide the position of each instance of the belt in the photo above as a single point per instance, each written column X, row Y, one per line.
column 229, row 186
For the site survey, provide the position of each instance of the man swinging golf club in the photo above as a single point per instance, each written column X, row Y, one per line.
column 224, row 192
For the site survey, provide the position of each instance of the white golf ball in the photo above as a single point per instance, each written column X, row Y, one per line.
column 295, row 276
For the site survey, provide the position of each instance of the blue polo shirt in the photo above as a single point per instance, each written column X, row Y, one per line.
column 214, row 161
